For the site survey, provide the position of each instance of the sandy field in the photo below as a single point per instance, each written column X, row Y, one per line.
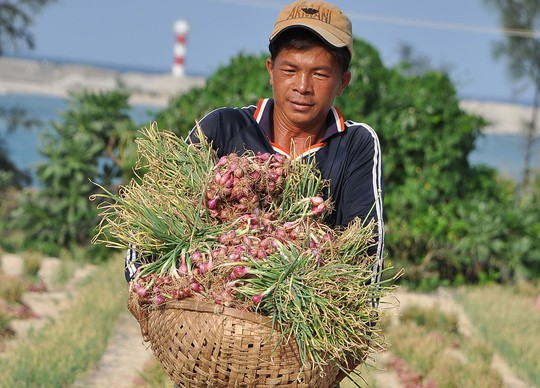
column 502, row 117
column 47, row 78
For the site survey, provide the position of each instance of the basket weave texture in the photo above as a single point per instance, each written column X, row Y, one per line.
column 206, row 345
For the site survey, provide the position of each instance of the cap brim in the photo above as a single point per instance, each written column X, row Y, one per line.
column 323, row 30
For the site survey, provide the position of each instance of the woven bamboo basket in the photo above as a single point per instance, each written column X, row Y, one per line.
column 206, row 345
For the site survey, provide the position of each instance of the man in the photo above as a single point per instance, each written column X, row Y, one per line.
column 311, row 48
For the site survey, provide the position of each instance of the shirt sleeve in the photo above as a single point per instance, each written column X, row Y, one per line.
column 132, row 263
column 362, row 191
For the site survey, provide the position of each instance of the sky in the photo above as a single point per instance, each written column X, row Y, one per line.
column 138, row 34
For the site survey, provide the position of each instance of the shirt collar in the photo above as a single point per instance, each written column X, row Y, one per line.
column 265, row 109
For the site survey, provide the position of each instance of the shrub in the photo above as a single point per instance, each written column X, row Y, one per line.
column 91, row 144
column 11, row 288
column 427, row 340
column 509, row 321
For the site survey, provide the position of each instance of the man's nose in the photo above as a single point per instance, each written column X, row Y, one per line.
column 303, row 83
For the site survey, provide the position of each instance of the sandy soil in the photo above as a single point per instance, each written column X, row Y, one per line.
column 47, row 306
column 123, row 360
column 52, row 79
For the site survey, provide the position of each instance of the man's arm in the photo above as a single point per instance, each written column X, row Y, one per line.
column 131, row 264
column 362, row 191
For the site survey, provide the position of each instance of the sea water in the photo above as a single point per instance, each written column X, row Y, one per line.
column 23, row 144
column 504, row 152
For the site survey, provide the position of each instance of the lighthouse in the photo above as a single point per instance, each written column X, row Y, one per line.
column 181, row 28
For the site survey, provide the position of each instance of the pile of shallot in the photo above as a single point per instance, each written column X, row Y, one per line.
column 246, row 231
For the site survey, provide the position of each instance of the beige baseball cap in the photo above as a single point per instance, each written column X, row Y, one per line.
column 323, row 18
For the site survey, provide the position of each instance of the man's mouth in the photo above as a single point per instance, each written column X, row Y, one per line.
column 301, row 105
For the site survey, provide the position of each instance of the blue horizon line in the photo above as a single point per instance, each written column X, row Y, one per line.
column 102, row 65
column 122, row 68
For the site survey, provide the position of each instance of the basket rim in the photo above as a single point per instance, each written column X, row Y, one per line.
column 217, row 309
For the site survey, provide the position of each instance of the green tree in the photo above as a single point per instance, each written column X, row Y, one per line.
column 93, row 143
column 12, row 118
column 16, row 18
column 521, row 47
column 426, row 139
column 448, row 221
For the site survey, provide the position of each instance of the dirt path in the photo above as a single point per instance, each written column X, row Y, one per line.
column 123, row 359
column 125, row 355
column 49, row 305
column 444, row 300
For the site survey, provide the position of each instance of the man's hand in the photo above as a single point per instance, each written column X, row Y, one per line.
column 139, row 313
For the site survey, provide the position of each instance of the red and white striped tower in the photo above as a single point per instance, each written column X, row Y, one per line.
column 181, row 28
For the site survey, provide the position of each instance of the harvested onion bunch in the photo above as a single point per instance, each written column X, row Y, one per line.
column 246, row 231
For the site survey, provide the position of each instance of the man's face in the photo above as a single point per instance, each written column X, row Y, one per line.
column 305, row 84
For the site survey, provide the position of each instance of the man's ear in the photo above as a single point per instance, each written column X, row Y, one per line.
column 345, row 79
column 270, row 69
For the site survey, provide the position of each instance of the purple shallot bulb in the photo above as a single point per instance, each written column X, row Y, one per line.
column 317, row 200
column 141, row 291
column 247, row 240
column 212, row 203
column 177, row 294
column 159, row 299
column 183, row 268
column 327, row 237
column 239, row 271
column 222, row 161
column 263, row 156
column 203, row 268
column 289, row 224
column 319, row 209
column 196, row 287
column 217, row 177
column 196, row 256
column 280, row 158
column 225, row 177
column 238, row 173
column 261, row 254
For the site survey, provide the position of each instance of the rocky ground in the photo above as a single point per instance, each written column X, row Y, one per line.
column 127, row 355
column 54, row 79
